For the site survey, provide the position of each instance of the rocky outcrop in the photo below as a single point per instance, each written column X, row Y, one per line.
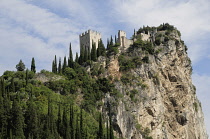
column 159, row 101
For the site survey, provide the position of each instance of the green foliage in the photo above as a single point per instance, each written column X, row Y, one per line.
column 113, row 49
column 195, row 106
column 145, row 59
column 145, row 29
column 20, row 66
column 33, row 66
column 93, row 52
column 144, row 45
column 165, row 26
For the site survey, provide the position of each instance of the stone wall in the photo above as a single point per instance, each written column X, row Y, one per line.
column 88, row 37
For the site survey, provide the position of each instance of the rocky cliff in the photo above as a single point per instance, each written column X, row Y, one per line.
column 158, row 99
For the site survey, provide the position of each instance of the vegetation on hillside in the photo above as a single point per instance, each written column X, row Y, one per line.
column 65, row 103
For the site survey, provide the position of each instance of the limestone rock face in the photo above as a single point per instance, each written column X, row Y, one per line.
column 159, row 101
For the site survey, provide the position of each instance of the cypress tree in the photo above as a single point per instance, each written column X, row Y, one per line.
column 100, row 131
column 111, row 42
column 103, row 50
column 85, row 55
column 70, row 62
column 33, row 66
column 115, row 39
column 31, row 119
column 110, row 124
column 108, row 44
column 93, row 52
column 76, row 58
column 65, row 123
column 71, row 121
column 77, row 134
column 59, row 120
column 17, row 120
column 59, row 67
column 107, row 130
column 99, row 49
column 26, row 77
column 54, row 65
column 12, row 86
column 81, row 124
column 81, row 58
column 64, row 65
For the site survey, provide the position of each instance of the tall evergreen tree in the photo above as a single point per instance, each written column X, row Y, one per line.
column 31, row 120
column 81, row 58
column 108, row 44
column 71, row 121
column 59, row 67
column 93, row 52
column 12, row 85
column 81, row 125
column 77, row 134
column 101, row 51
column 26, row 77
column 59, row 123
column 33, row 66
column 54, row 65
column 64, row 65
column 100, row 131
column 17, row 120
column 111, row 42
column 66, row 130
column 111, row 133
column 76, row 58
column 85, row 55
column 70, row 63
column 115, row 39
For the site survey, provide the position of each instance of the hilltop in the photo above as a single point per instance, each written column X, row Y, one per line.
column 137, row 88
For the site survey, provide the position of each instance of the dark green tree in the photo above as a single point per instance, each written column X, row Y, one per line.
column 59, row 122
column 100, row 131
column 17, row 121
column 85, row 55
column 76, row 58
column 27, row 77
column 111, row 42
column 115, row 39
column 54, row 65
column 20, row 66
column 31, row 120
column 33, row 66
column 93, row 52
column 108, row 44
column 64, row 65
column 81, row 58
column 81, row 125
column 77, row 134
column 101, row 51
column 71, row 121
column 59, row 67
column 65, row 123
column 70, row 63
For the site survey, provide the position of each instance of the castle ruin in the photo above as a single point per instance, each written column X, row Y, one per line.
column 88, row 38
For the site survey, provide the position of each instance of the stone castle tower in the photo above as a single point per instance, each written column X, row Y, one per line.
column 122, row 40
column 86, row 39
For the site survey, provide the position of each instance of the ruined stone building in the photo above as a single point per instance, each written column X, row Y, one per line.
column 88, row 38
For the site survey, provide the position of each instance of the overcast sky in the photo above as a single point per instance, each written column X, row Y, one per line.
column 44, row 28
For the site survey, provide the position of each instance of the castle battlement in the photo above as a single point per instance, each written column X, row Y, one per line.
column 88, row 38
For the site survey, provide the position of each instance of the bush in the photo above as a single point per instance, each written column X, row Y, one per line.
column 145, row 59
